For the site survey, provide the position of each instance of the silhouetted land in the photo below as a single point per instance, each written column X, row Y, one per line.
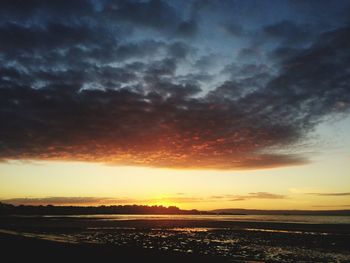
column 8, row 209
column 89, row 210
column 280, row 212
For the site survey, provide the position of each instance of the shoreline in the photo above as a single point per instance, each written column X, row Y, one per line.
column 78, row 223
column 164, row 240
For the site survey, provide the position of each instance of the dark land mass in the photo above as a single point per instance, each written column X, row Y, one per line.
column 235, row 211
column 8, row 209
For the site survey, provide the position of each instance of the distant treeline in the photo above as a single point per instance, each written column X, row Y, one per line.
column 8, row 209
column 282, row 212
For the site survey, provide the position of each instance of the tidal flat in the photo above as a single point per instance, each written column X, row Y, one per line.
column 207, row 239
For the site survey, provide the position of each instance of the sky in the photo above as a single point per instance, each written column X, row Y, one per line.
column 199, row 104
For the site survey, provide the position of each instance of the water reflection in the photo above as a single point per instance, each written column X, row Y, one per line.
column 307, row 219
column 274, row 246
column 220, row 236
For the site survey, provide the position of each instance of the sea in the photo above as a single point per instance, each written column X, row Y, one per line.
column 307, row 219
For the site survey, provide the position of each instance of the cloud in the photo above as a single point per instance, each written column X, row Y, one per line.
column 249, row 196
column 61, row 201
column 321, row 11
column 219, row 196
column 24, row 10
column 288, row 32
column 330, row 194
column 234, row 30
column 154, row 14
column 187, row 29
column 250, row 54
column 176, row 199
column 331, row 206
column 126, row 83
column 84, row 201
column 179, row 198
column 257, row 195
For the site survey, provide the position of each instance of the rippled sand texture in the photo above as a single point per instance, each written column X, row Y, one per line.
column 245, row 244
column 230, row 239
column 256, row 245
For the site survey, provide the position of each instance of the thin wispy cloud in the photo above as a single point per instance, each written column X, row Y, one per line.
column 100, row 200
column 258, row 195
column 330, row 206
column 249, row 196
column 61, row 201
column 331, row 194
column 179, row 198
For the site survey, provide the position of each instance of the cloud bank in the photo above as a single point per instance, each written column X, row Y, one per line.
column 140, row 83
column 176, row 199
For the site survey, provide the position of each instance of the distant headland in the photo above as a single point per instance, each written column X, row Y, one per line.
column 9, row 209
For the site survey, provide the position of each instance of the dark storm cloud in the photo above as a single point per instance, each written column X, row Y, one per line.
column 179, row 50
column 249, row 54
column 187, row 29
column 235, row 30
column 162, row 128
column 16, row 37
column 154, row 13
column 204, row 63
column 322, row 11
column 283, row 53
column 126, row 82
column 19, row 9
column 288, row 32
column 315, row 82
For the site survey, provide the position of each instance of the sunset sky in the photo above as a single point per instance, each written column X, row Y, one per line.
column 199, row 104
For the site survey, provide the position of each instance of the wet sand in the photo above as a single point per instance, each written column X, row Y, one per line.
column 64, row 222
column 174, row 240
column 24, row 249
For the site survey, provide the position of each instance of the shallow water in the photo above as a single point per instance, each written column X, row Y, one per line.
column 307, row 219
column 238, row 245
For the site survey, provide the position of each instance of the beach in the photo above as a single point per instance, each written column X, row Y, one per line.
column 16, row 248
column 171, row 240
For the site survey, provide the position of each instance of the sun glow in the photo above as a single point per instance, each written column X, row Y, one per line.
column 60, row 183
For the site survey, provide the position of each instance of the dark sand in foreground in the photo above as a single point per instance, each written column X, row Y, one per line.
column 61, row 239
column 24, row 249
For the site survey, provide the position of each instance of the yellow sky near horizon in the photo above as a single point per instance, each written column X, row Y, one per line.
column 324, row 183
column 298, row 187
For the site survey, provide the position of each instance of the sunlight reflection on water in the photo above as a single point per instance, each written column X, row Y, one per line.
column 307, row 219
column 258, row 238
column 246, row 244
